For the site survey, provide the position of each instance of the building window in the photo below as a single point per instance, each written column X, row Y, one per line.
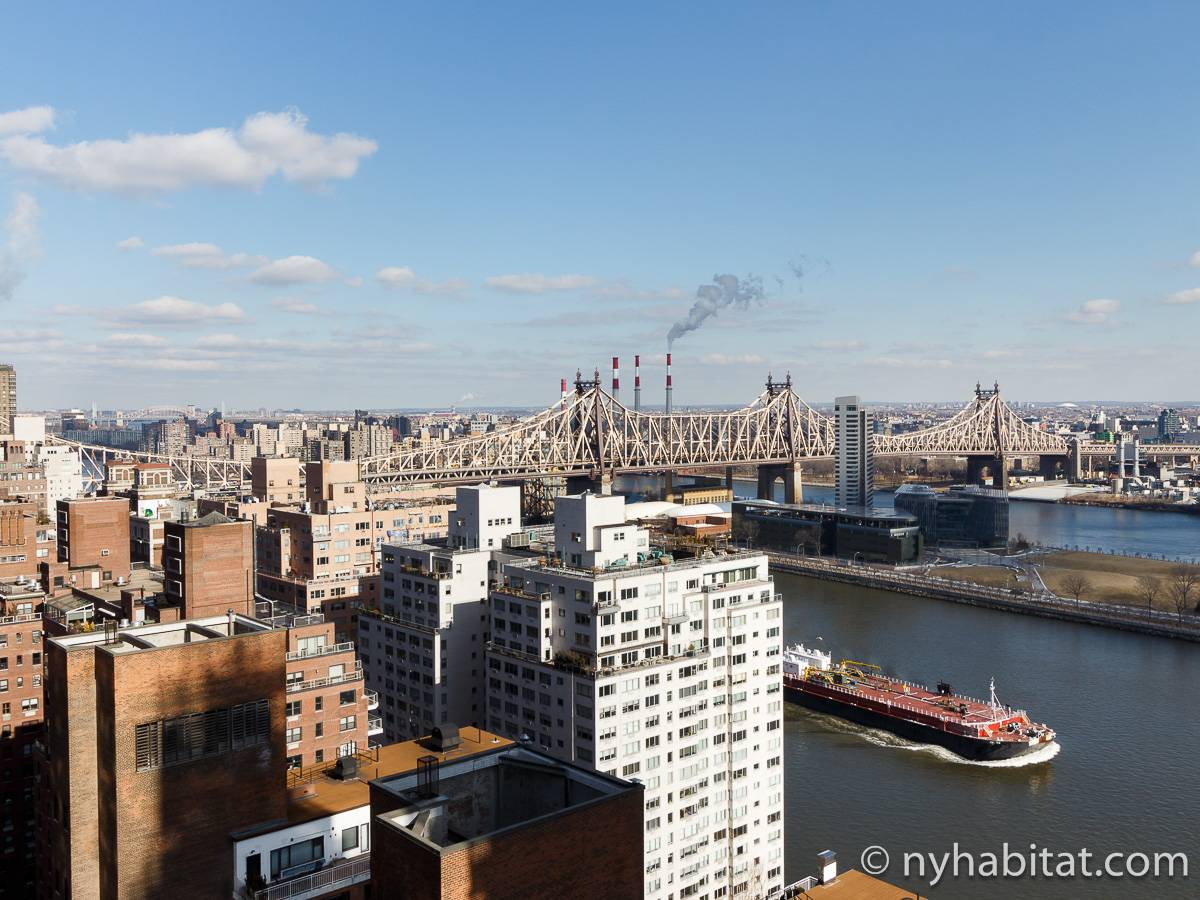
column 347, row 723
column 287, row 860
column 293, row 708
column 169, row 742
column 348, row 698
column 293, row 735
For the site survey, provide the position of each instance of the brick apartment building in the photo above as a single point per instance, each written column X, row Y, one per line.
column 276, row 479
column 324, row 557
column 21, row 724
column 93, row 533
column 142, row 788
column 19, row 538
column 511, row 823
column 208, row 566
column 328, row 711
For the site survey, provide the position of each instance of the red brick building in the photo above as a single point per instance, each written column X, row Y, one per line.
column 18, row 538
column 512, row 824
column 94, row 533
column 208, row 566
column 21, row 727
column 161, row 740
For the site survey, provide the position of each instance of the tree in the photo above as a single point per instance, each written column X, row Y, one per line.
column 1182, row 583
column 1076, row 585
column 1148, row 590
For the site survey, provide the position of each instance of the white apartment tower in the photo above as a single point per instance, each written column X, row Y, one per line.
column 423, row 649
column 855, row 465
column 664, row 670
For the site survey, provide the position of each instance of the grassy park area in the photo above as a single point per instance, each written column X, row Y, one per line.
column 1097, row 577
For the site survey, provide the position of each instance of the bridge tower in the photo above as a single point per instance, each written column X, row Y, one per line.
column 790, row 471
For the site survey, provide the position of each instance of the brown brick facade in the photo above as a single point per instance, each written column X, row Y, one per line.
column 95, row 532
column 208, row 566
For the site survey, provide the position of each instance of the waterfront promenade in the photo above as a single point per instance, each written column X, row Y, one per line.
column 1047, row 605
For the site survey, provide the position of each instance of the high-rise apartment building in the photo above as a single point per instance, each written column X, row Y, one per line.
column 208, row 566
column 663, row 669
column 161, row 740
column 275, row 480
column 855, row 467
column 170, row 438
column 8, row 397
column 422, row 647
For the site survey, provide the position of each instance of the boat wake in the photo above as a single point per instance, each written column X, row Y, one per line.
column 886, row 739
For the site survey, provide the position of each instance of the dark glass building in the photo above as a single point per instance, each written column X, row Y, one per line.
column 964, row 516
column 870, row 534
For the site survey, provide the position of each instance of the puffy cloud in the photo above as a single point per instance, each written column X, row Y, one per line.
column 405, row 279
column 198, row 255
column 838, row 345
column 897, row 362
column 294, row 270
column 721, row 359
column 267, row 144
column 1183, row 298
column 29, row 120
column 1195, row 260
column 21, row 244
column 297, row 306
column 131, row 243
column 137, row 340
column 535, row 283
column 1094, row 312
column 177, row 311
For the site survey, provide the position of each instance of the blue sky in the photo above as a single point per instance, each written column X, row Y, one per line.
column 330, row 206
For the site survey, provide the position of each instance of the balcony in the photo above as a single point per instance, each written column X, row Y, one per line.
column 374, row 726
column 372, row 699
column 354, row 674
column 324, row 650
column 320, row 883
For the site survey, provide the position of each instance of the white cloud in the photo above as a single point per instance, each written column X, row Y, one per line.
column 405, row 279
column 294, row 270
column 1183, row 298
column 177, row 311
column 137, row 340
column 197, row 255
column 296, row 305
column 131, row 243
column 267, row 144
column 721, row 359
column 1094, row 312
column 839, row 345
column 166, row 364
column 354, row 281
column 29, row 120
column 896, row 362
column 237, row 342
column 1195, row 260
column 535, row 283
column 21, row 243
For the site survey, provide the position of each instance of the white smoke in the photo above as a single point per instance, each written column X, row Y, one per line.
column 725, row 292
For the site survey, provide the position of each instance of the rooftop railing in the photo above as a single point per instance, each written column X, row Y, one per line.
column 321, row 882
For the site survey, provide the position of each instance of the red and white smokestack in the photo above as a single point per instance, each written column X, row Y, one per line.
column 637, row 382
column 616, row 391
column 668, row 383
column 562, row 401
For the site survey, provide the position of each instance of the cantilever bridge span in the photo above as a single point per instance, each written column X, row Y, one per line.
column 590, row 434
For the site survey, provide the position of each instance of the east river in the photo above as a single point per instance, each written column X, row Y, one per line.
column 1126, row 774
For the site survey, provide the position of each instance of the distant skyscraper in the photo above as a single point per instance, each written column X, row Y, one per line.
column 855, row 467
column 8, row 397
column 1170, row 423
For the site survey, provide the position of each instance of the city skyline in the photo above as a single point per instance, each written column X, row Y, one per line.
column 445, row 224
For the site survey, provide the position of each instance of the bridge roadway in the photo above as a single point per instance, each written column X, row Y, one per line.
column 588, row 434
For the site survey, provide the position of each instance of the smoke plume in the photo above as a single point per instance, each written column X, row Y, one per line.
column 725, row 292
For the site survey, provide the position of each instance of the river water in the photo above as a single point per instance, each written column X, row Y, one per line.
column 1125, row 778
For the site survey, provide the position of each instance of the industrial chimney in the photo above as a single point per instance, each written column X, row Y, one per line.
column 637, row 382
column 668, row 384
column 616, row 391
column 562, row 401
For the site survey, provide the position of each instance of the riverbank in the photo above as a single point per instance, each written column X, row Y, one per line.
column 1115, row 501
column 1085, row 611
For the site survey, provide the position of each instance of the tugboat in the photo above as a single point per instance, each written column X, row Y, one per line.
column 860, row 692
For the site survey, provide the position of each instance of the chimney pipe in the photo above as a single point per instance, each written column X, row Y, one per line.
column 637, row 382
column 616, row 391
column 668, row 384
column 562, row 397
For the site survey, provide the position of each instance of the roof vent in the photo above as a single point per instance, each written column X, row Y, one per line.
column 443, row 737
column 346, row 768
